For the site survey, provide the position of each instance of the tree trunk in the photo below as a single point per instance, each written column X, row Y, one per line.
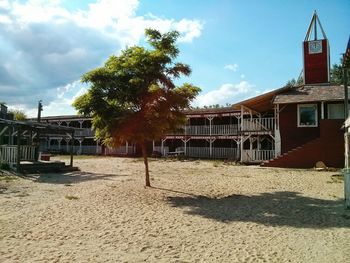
column 145, row 160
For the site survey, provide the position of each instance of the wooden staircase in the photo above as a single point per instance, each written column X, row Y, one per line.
column 306, row 155
column 328, row 148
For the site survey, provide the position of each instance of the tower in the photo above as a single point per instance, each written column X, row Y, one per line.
column 316, row 54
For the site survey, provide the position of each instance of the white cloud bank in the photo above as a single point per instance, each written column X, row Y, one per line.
column 44, row 46
column 232, row 67
column 227, row 93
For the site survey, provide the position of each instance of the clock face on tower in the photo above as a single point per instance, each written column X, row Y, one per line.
column 315, row 47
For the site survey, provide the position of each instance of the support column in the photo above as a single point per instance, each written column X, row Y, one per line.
column 18, row 164
column 162, row 148
column 126, row 147
column 80, row 140
column 59, row 143
column 277, row 132
column 71, row 149
column 242, row 151
column 346, row 92
column 210, row 134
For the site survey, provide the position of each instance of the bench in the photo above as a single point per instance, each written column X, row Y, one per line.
column 176, row 153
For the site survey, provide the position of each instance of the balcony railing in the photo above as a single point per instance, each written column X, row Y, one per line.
column 228, row 129
column 258, row 124
column 84, row 133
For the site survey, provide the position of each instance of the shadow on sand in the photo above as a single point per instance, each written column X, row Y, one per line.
column 272, row 209
column 72, row 177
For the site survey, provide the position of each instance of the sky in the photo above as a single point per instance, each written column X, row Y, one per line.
column 236, row 48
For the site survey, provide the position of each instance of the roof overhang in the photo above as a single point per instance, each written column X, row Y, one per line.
column 261, row 103
column 41, row 127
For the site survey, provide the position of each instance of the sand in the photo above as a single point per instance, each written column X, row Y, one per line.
column 197, row 211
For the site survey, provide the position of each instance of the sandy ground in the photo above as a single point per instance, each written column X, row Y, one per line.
column 197, row 211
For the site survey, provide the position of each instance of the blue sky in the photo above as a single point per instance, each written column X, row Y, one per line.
column 237, row 49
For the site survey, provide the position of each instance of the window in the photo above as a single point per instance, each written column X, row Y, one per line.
column 335, row 111
column 307, row 115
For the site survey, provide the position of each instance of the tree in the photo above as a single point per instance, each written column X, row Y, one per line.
column 337, row 74
column 18, row 115
column 133, row 97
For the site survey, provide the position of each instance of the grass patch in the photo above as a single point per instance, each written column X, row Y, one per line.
column 71, row 197
column 337, row 178
column 8, row 178
column 4, row 166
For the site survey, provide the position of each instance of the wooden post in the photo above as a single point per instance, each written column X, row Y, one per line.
column 346, row 92
column 162, row 148
column 346, row 170
column 18, row 164
column 71, row 150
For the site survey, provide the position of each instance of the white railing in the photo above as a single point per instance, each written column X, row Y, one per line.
column 84, row 149
column 224, row 129
column 159, row 149
column 227, row 129
column 257, row 155
column 84, row 133
column 8, row 154
column 121, row 150
column 258, row 124
column 204, row 152
column 27, row 153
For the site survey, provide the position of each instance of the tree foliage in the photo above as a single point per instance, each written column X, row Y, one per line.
column 133, row 97
column 18, row 115
column 337, row 74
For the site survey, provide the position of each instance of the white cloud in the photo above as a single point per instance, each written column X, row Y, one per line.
column 242, row 76
column 227, row 93
column 4, row 4
column 232, row 67
column 45, row 48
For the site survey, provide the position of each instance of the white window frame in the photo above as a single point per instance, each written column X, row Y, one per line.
column 328, row 110
column 316, row 115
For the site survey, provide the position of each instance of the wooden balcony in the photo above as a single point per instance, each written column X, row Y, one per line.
column 258, row 124
column 228, row 129
column 84, row 133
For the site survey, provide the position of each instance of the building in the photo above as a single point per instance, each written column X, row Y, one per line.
column 294, row 126
column 4, row 114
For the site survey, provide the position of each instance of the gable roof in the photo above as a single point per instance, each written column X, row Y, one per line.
column 311, row 93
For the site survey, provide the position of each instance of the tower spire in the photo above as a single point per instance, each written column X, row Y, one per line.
column 315, row 22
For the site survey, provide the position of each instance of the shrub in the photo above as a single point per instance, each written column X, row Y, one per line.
column 4, row 166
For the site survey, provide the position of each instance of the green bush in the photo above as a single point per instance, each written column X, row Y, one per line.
column 4, row 166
